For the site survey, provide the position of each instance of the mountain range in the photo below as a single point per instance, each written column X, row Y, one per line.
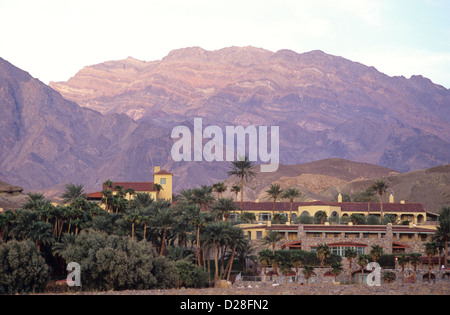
column 114, row 120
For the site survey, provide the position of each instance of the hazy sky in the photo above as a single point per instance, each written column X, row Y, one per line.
column 53, row 39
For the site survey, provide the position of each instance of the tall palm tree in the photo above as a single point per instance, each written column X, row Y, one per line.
column 216, row 234
column 130, row 192
column 242, row 169
column 363, row 261
column 236, row 189
column 141, row 201
column 350, row 254
column 264, row 259
column 336, row 270
column 308, row 272
column 157, row 188
column 291, row 194
column 415, row 260
column 298, row 261
column 72, row 193
column 323, row 252
column 133, row 218
column 274, row 193
column 403, row 260
column 430, row 251
column 443, row 231
column 222, row 208
column 219, row 188
column 203, row 197
column 376, row 252
column 271, row 239
column 163, row 220
column 380, row 187
column 237, row 238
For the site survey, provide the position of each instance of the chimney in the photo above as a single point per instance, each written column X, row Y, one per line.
column 340, row 198
column 402, row 202
column 391, row 198
column 156, row 169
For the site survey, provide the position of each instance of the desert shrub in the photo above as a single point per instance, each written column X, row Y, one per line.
column 191, row 276
column 110, row 262
column 22, row 268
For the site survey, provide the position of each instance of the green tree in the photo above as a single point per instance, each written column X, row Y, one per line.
column 430, row 252
column 320, row 217
column 22, row 268
column 336, row 270
column 291, row 193
column 271, row 239
column 323, row 252
column 363, row 261
column 376, row 252
column 380, row 187
column 72, row 193
column 216, row 233
column 415, row 261
column 443, row 231
column 264, row 259
column 222, row 207
column 236, row 189
column 308, row 272
column 350, row 254
column 274, row 192
column 243, row 168
column 403, row 260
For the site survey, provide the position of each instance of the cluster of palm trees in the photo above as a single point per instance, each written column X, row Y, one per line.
column 275, row 192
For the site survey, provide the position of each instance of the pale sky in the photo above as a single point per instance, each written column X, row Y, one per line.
column 53, row 39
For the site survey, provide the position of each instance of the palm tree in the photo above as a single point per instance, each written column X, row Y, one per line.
column 238, row 239
column 220, row 188
column 141, row 201
column 320, row 216
column 430, row 251
column 203, row 196
column 350, row 254
column 443, row 231
column 264, row 259
column 380, row 187
column 415, row 260
column 216, row 234
column 222, row 208
column 242, row 169
column 163, row 221
column 130, row 192
column 133, row 218
column 286, row 269
column 157, row 188
column 274, row 193
column 236, row 189
column 297, row 262
column 336, row 270
column 402, row 261
column 106, row 194
column 144, row 221
column 271, row 239
column 72, row 193
column 363, row 261
column 291, row 194
column 323, row 252
column 41, row 234
column 308, row 271
column 376, row 252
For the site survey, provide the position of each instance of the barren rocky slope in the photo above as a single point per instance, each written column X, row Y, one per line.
column 326, row 106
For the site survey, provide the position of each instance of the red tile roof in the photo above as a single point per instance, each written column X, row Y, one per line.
column 95, row 195
column 137, row 186
column 345, row 206
column 163, row 172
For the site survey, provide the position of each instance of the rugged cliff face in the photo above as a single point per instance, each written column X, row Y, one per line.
column 326, row 106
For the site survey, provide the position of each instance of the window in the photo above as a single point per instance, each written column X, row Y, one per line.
column 162, row 181
column 258, row 235
column 340, row 250
column 264, row 217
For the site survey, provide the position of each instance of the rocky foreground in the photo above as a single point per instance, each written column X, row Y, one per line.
column 439, row 288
